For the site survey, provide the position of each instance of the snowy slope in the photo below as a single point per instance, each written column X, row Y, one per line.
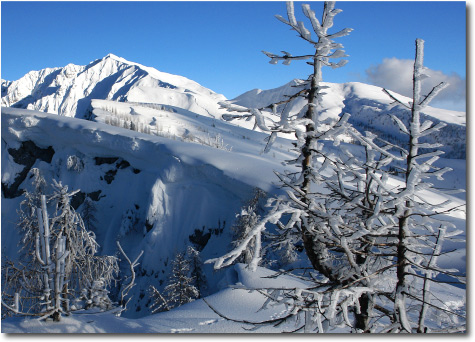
column 67, row 91
column 152, row 193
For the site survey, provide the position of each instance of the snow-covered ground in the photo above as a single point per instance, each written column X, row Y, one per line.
column 238, row 306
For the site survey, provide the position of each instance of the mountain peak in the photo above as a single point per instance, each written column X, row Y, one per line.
column 116, row 58
column 69, row 90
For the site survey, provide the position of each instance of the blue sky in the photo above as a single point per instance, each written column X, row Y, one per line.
column 218, row 44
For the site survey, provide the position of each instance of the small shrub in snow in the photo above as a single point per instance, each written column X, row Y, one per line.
column 95, row 295
column 75, row 164
column 217, row 142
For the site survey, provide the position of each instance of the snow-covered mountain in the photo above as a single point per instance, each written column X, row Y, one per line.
column 73, row 89
column 161, row 167
column 68, row 91
column 121, row 93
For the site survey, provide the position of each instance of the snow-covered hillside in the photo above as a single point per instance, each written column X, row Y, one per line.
column 152, row 193
column 370, row 109
column 67, row 91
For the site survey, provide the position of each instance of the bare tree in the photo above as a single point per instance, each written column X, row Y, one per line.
column 126, row 289
column 420, row 228
column 159, row 302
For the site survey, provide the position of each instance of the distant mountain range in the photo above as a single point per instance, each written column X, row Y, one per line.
column 69, row 91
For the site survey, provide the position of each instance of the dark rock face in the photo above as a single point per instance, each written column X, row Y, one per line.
column 27, row 154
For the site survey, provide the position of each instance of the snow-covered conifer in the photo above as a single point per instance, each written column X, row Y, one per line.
column 196, row 271
column 245, row 221
column 180, row 289
column 293, row 214
column 74, row 163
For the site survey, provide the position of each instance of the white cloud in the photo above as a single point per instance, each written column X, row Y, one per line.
column 396, row 75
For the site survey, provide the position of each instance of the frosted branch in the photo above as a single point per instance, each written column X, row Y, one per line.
column 433, row 93
column 395, row 99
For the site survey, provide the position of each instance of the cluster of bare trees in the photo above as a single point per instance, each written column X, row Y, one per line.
column 58, row 270
column 372, row 239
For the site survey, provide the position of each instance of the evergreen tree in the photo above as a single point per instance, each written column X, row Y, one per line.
column 245, row 221
column 88, row 214
column 196, row 271
column 180, row 289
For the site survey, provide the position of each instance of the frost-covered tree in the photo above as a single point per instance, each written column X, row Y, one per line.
column 159, row 302
column 371, row 242
column 293, row 213
column 180, row 289
column 196, row 271
column 74, row 164
column 185, row 283
column 124, row 293
column 88, row 214
column 27, row 212
column 420, row 228
column 245, row 221
column 96, row 295
column 61, row 262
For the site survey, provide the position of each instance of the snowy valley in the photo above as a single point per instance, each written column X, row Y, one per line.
column 159, row 168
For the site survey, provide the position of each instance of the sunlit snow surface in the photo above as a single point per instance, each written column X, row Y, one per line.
column 233, row 304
